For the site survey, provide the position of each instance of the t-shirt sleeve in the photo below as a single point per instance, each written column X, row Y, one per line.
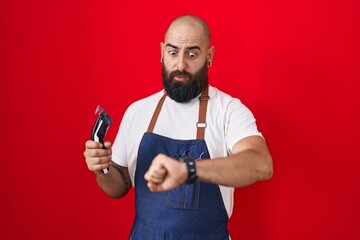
column 240, row 123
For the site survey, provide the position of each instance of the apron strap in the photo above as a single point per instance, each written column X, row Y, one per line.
column 201, row 124
column 156, row 113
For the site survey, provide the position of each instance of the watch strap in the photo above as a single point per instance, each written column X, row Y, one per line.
column 191, row 167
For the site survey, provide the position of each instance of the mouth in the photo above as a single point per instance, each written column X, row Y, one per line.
column 181, row 78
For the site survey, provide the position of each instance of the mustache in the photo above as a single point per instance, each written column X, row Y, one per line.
column 178, row 73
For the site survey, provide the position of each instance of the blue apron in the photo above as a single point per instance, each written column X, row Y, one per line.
column 189, row 212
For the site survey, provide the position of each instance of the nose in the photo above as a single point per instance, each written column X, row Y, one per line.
column 181, row 66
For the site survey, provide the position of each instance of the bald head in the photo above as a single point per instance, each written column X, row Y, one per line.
column 192, row 23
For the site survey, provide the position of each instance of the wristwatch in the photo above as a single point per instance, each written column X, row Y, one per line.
column 191, row 167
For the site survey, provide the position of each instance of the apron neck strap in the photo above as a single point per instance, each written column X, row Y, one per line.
column 156, row 113
column 201, row 124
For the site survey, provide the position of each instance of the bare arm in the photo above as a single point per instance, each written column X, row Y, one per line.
column 250, row 162
column 117, row 182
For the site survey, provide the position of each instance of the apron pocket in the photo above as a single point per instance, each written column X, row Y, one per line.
column 185, row 196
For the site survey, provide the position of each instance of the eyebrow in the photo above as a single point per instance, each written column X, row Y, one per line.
column 188, row 48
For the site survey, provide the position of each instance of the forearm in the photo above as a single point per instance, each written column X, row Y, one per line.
column 249, row 163
column 238, row 170
column 116, row 183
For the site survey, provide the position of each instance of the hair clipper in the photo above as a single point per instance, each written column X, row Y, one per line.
column 100, row 128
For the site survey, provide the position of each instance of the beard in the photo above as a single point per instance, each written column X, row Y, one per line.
column 183, row 92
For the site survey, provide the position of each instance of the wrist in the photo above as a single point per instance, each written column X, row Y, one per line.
column 191, row 170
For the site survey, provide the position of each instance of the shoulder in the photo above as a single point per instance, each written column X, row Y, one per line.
column 143, row 105
column 224, row 101
column 137, row 117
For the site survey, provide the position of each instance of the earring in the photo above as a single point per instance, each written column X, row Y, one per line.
column 209, row 64
column 161, row 60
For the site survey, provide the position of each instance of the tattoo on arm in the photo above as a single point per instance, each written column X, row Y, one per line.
column 124, row 174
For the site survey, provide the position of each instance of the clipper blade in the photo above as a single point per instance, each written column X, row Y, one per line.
column 99, row 109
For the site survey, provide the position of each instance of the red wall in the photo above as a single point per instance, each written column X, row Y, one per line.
column 295, row 64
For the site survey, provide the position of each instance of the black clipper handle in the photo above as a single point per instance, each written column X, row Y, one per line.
column 100, row 128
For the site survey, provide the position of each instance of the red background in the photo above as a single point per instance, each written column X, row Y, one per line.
column 295, row 64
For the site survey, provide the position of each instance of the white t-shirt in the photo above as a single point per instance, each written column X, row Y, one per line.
column 228, row 121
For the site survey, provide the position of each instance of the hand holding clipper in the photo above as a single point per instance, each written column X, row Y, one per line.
column 101, row 127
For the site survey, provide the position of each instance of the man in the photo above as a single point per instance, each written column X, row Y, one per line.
column 165, row 143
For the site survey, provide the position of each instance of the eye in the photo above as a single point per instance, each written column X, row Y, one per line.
column 192, row 54
column 172, row 52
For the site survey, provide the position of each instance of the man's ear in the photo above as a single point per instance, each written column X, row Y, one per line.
column 162, row 49
column 210, row 54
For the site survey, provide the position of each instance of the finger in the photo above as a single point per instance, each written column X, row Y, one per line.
column 147, row 176
column 155, row 173
column 152, row 186
column 107, row 144
column 98, row 160
column 158, row 175
column 92, row 144
column 97, row 152
column 157, row 180
column 154, row 179
column 96, row 164
column 99, row 167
